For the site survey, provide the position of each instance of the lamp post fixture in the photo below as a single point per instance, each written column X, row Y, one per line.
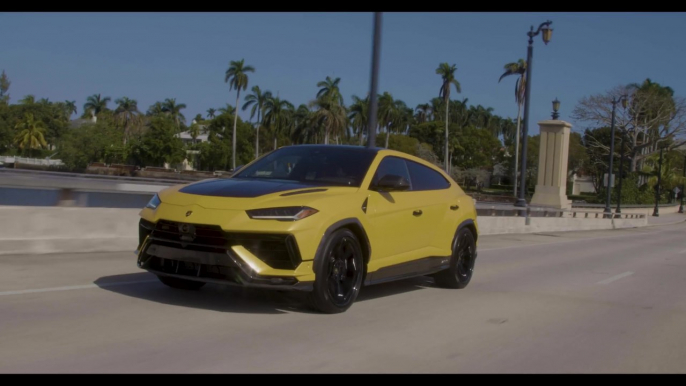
column 547, row 34
column 623, row 99
column 556, row 107
column 681, row 206
column 656, row 211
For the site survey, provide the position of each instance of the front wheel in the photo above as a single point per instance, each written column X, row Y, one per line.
column 338, row 273
column 462, row 260
column 175, row 282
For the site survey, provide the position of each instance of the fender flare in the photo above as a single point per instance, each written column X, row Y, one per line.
column 364, row 241
column 464, row 224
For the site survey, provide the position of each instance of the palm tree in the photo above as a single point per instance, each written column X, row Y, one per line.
column 28, row 100
column 210, row 113
column 447, row 72
column 277, row 115
column 126, row 113
column 31, row 134
column 174, row 110
column 423, row 112
column 386, row 112
column 304, row 125
column 257, row 100
column 194, row 131
column 95, row 104
column 228, row 109
column 517, row 68
column 70, row 108
column 331, row 115
column 358, row 116
column 237, row 77
column 155, row 109
column 329, row 88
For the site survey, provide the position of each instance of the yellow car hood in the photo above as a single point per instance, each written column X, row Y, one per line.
column 242, row 194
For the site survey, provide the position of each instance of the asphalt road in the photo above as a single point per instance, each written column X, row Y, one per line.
column 576, row 302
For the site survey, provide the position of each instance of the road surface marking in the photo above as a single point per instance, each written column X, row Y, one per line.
column 616, row 277
column 74, row 287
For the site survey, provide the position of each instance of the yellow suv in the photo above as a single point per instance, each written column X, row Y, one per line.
column 316, row 218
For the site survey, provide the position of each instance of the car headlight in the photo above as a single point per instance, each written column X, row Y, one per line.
column 290, row 213
column 154, row 202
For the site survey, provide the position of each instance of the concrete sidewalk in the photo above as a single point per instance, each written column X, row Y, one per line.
column 669, row 218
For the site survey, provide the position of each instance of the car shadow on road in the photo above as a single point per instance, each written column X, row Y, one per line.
column 226, row 298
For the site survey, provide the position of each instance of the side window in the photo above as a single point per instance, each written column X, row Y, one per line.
column 424, row 178
column 392, row 165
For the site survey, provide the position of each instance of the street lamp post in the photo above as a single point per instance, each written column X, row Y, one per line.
column 547, row 34
column 656, row 211
column 681, row 206
column 623, row 99
column 373, row 103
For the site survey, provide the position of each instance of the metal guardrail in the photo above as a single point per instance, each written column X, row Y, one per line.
column 542, row 212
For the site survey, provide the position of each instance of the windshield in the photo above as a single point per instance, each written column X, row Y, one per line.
column 326, row 165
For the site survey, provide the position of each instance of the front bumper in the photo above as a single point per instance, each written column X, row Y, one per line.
column 221, row 259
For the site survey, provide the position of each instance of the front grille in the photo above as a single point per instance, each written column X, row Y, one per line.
column 279, row 251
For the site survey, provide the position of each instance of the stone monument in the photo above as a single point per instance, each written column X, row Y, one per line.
column 551, row 187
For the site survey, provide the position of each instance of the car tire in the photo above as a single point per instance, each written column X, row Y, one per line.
column 338, row 273
column 183, row 284
column 461, row 268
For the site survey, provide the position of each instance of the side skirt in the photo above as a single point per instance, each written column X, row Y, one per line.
column 419, row 267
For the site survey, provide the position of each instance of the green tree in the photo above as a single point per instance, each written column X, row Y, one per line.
column 423, row 112
column 30, row 136
column 155, row 109
column 210, row 113
column 447, row 73
column 160, row 143
column 257, row 100
column 28, row 100
column 237, row 77
column 329, row 88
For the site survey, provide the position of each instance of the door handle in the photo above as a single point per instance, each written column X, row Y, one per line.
column 417, row 212
column 454, row 207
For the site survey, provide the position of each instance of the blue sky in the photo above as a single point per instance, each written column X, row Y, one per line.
column 153, row 56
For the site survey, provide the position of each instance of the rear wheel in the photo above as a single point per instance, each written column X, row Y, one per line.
column 184, row 284
column 461, row 267
column 338, row 273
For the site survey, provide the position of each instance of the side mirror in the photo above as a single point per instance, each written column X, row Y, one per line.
column 392, row 183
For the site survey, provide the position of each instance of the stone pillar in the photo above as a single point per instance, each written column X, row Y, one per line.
column 551, row 188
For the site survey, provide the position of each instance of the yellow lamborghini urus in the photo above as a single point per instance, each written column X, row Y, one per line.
column 315, row 218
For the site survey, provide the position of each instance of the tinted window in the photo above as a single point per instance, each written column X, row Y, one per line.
column 424, row 178
column 326, row 165
column 394, row 166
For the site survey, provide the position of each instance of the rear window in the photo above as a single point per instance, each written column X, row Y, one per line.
column 424, row 178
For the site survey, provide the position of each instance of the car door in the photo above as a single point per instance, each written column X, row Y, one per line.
column 398, row 225
column 440, row 206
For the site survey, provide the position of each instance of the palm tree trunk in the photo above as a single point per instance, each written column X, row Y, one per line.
column 445, row 154
column 275, row 140
column 519, row 109
column 326, row 136
column 388, row 134
column 359, row 134
column 235, row 120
